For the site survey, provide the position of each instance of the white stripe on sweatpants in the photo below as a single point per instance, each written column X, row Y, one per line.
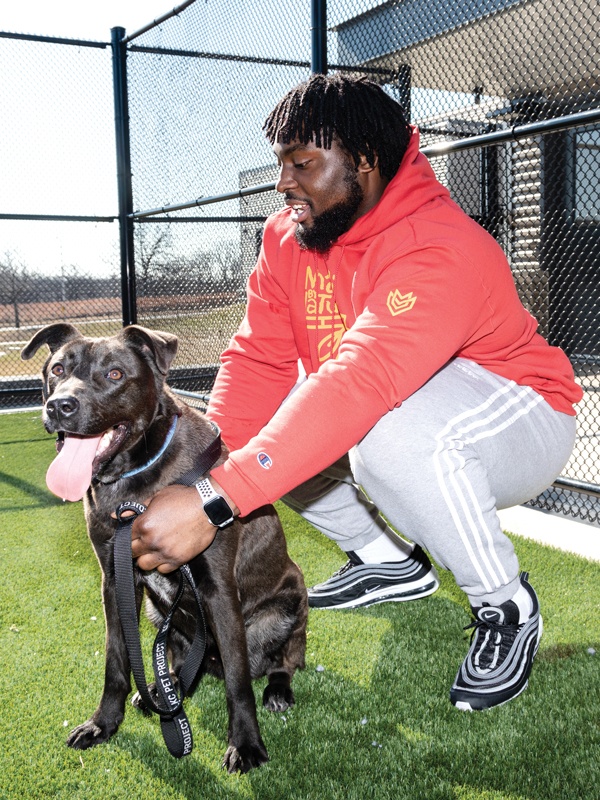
column 450, row 441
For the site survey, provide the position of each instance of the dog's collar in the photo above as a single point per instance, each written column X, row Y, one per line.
column 153, row 460
column 205, row 460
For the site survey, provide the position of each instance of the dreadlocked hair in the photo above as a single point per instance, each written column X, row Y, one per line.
column 356, row 111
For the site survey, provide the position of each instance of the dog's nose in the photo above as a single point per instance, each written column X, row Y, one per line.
column 62, row 407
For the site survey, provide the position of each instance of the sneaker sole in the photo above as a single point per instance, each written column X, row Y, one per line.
column 463, row 705
column 411, row 572
column 384, row 595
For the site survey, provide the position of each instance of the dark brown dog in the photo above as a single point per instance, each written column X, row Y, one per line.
column 253, row 594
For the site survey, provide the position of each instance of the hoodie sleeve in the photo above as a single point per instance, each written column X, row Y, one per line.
column 409, row 328
column 260, row 366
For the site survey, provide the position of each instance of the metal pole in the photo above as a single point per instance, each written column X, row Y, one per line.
column 119, row 56
column 177, row 10
column 442, row 148
column 204, row 201
column 577, row 486
column 553, row 125
column 318, row 14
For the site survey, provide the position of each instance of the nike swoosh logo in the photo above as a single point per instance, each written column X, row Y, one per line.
column 368, row 591
column 490, row 616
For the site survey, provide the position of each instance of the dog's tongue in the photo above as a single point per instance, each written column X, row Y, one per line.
column 70, row 474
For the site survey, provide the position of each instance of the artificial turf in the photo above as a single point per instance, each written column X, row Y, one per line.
column 374, row 722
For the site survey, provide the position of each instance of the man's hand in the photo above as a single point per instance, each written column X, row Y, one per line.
column 172, row 531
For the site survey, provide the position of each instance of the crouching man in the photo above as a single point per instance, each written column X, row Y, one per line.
column 427, row 384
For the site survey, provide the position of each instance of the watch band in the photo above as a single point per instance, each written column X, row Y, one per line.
column 215, row 506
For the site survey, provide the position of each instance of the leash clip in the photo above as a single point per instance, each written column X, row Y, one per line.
column 130, row 505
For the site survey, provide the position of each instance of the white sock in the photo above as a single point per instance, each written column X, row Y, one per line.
column 387, row 547
column 523, row 600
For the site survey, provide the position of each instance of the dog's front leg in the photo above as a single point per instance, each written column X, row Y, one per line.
column 117, row 684
column 246, row 748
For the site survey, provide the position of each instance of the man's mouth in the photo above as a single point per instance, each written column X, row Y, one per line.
column 300, row 210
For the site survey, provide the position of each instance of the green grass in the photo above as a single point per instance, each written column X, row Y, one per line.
column 392, row 665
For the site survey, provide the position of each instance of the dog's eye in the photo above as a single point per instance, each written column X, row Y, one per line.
column 58, row 369
column 115, row 375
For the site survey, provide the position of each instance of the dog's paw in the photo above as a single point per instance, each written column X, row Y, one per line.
column 246, row 758
column 90, row 733
column 138, row 702
column 278, row 697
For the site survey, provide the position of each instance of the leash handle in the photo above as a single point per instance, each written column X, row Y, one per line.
column 174, row 723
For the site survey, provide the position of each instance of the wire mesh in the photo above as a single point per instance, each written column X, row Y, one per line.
column 199, row 90
column 467, row 68
column 202, row 82
column 57, row 131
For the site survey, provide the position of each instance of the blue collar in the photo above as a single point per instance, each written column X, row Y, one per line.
column 167, row 442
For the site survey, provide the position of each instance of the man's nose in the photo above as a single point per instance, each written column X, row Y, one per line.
column 286, row 181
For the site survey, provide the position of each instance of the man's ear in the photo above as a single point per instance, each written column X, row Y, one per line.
column 363, row 164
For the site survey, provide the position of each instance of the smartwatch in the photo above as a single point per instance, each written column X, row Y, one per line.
column 215, row 506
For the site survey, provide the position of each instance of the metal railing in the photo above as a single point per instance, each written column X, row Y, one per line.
column 507, row 98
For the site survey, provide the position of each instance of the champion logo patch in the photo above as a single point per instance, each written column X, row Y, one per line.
column 264, row 460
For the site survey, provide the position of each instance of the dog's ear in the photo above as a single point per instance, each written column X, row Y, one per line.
column 162, row 346
column 53, row 335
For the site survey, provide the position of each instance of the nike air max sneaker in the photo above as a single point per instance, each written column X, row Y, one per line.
column 499, row 660
column 357, row 584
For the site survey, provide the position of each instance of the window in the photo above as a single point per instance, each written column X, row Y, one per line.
column 587, row 174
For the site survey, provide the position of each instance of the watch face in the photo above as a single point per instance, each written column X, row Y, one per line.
column 218, row 511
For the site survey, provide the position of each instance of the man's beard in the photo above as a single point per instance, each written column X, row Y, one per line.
column 335, row 221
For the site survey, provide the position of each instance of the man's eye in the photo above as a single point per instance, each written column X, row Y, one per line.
column 115, row 375
column 58, row 369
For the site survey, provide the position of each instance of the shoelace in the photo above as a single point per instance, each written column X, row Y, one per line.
column 506, row 632
column 344, row 568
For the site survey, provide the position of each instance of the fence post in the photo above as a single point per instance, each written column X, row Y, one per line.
column 404, row 86
column 119, row 60
column 318, row 15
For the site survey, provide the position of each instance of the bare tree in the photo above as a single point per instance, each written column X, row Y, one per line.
column 218, row 269
column 153, row 255
column 15, row 282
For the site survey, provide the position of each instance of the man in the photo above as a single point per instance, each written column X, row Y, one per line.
column 427, row 384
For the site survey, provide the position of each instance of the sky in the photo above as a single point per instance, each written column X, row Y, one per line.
column 57, row 129
column 57, row 126
column 80, row 19
column 42, row 169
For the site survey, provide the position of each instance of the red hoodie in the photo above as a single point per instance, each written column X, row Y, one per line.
column 413, row 283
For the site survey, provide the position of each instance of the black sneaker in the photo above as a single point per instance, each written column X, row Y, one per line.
column 499, row 660
column 358, row 584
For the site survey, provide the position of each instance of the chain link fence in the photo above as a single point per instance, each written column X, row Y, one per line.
column 59, row 256
column 201, row 83
column 199, row 89
column 481, row 67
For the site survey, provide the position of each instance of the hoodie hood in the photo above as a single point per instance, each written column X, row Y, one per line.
column 412, row 186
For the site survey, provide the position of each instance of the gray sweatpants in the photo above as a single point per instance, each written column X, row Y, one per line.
column 465, row 444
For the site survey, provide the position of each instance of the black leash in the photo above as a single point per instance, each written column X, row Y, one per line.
column 175, row 727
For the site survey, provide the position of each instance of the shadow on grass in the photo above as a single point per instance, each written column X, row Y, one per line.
column 396, row 734
column 375, row 723
column 43, row 496
column 189, row 777
column 28, row 441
